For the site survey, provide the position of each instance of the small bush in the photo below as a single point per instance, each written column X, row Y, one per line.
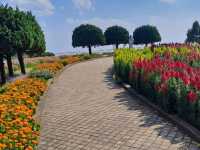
column 86, row 57
column 64, row 62
column 41, row 74
column 47, row 54
column 2, row 89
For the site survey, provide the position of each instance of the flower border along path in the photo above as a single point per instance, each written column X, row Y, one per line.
column 19, row 121
column 168, row 77
column 18, row 101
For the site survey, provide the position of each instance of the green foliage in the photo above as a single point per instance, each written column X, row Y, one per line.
column 87, row 36
column 64, row 62
column 146, row 34
column 19, row 33
column 41, row 74
column 2, row 89
column 44, row 54
column 87, row 57
column 193, row 34
column 116, row 35
column 2, row 128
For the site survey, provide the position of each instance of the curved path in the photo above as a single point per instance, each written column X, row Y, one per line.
column 85, row 110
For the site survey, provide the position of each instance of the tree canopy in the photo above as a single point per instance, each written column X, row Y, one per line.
column 193, row 34
column 6, row 16
column 146, row 34
column 116, row 35
column 19, row 33
column 87, row 35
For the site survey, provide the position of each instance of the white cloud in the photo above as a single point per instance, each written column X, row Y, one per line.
column 168, row 1
column 83, row 4
column 42, row 7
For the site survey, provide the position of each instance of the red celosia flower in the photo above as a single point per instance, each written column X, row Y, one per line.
column 186, row 80
column 192, row 97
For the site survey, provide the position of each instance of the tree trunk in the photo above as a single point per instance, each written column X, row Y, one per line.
column 117, row 46
column 152, row 47
column 21, row 62
column 2, row 70
column 90, row 49
column 10, row 67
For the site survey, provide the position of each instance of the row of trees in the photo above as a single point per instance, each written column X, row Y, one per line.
column 90, row 35
column 193, row 34
column 19, row 33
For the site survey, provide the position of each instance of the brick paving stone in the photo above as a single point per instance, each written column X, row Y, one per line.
column 85, row 110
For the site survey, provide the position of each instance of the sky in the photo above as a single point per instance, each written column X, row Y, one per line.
column 58, row 18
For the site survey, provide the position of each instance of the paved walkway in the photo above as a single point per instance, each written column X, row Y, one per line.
column 85, row 110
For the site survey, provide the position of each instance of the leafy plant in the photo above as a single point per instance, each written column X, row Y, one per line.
column 41, row 74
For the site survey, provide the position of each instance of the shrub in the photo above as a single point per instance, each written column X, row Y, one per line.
column 86, row 57
column 44, row 54
column 64, row 62
column 41, row 74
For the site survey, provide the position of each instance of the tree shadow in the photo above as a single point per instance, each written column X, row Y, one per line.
column 149, row 118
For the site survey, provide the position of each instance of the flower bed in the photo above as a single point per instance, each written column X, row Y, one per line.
column 170, row 78
column 18, row 101
column 53, row 67
column 71, row 59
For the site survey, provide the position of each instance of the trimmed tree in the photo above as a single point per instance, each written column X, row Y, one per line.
column 5, row 37
column 19, row 33
column 38, row 45
column 116, row 35
column 146, row 34
column 6, row 15
column 27, row 36
column 87, row 36
column 193, row 34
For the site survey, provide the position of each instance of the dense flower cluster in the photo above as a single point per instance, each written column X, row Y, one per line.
column 166, row 69
column 18, row 129
column 52, row 67
column 72, row 59
column 168, row 75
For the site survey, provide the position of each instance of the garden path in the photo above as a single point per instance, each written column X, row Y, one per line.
column 85, row 110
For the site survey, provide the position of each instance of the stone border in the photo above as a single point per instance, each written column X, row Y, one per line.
column 181, row 124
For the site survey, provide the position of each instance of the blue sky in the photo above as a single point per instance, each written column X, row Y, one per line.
column 58, row 18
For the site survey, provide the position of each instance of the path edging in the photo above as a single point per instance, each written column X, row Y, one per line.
column 183, row 125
